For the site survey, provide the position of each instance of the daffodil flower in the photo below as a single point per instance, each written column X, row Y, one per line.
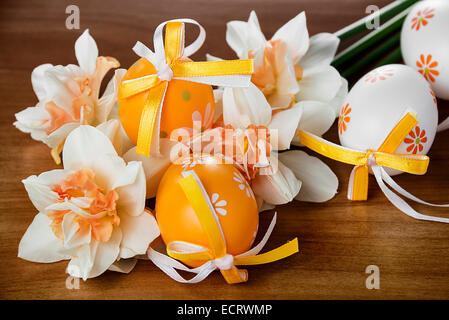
column 288, row 175
column 68, row 96
column 92, row 212
column 291, row 68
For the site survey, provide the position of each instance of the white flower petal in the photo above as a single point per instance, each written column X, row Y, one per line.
column 155, row 166
column 131, row 188
column 96, row 258
column 34, row 120
column 123, row 265
column 322, row 49
column 38, row 81
column 81, row 264
column 319, row 183
column 210, row 57
column 340, row 97
column 39, row 244
column 317, row 117
column 39, row 188
column 109, row 97
column 73, row 237
column 243, row 37
column 58, row 136
column 286, row 122
column 277, row 188
column 83, row 147
column 245, row 106
column 294, row 33
column 138, row 232
column 322, row 85
column 114, row 131
column 86, row 52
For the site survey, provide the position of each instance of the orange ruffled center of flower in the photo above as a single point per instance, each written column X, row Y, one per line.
column 103, row 205
column 265, row 75
column 86, row 96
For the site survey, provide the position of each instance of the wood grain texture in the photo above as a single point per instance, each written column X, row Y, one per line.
column 338, row 239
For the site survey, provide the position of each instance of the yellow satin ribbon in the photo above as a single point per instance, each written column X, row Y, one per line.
column 384, row 156
column 174, row 47
column 211, row 225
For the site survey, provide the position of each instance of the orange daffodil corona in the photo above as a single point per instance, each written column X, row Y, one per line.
column 69, row 97
column 92, row 212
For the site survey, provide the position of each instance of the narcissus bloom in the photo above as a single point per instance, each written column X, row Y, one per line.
column 69, row 96
column 291, row 67
column 92, row 212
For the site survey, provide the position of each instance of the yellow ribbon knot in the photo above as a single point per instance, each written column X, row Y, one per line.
column 167, row 59
column 384, row 156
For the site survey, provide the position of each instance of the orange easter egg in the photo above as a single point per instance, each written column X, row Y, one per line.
column 230, row 195
column 185, row 101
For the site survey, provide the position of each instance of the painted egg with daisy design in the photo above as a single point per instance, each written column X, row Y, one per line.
column 185, row 102
column 425, row 43
column 377, row 102
column 228, row 192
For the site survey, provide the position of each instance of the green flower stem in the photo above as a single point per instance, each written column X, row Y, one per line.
column 393, row 57
column 384, row 14
column 371, row 39
column 373, row 55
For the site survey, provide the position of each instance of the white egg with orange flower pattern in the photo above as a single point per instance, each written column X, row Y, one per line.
column 425, row 43
column 379, row 100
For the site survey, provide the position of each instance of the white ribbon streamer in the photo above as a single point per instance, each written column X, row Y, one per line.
column 382, row 176
column 170, row 266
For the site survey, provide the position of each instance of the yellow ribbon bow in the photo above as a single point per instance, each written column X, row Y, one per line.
column 167, row 61
column 216, row 256
column 384, row 156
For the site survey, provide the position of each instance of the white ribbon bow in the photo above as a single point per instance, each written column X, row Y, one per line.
column 169, row 265
column 383, row 177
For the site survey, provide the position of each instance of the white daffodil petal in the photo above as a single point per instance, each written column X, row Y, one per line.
column 73, row 236
column 322, row 85
column 39, row 188
column 57, row 137
column 138, row 232
column 109, row 97
column 322, row 49
column 123, row 265
column 278, row 188
column 39, row 244
column 86, row 52
column 316, row 118
column 83, row 146
column 286, row 122
column 155, row 166
column 34, row 120
column 106, row 253
column 109, row 169
column 38, row 81
column 340, row 97
column 294, row 33
column 114, row 131
column 319, row 183
column 131, row 188
column 81, row 264
column 245, row 106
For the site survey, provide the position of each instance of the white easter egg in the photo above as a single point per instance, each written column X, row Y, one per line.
column 377, row 102
column 425, row 43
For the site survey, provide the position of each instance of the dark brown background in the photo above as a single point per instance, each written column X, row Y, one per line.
column 338, row 239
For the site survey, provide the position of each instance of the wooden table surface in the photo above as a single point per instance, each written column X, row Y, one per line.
column 338, row 239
